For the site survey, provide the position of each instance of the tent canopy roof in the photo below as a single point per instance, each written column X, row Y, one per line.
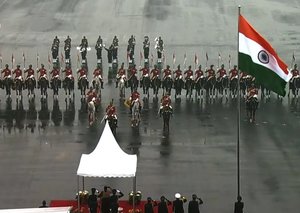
column 107, row 159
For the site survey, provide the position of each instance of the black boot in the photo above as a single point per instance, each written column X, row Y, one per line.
column 102, row 85
column 116, row 84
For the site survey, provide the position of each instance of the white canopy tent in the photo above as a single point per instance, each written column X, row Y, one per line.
column 99, row 163
column 38, row 210
column 96, row 164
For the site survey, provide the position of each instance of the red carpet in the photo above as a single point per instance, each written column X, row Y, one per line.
column 84, row 208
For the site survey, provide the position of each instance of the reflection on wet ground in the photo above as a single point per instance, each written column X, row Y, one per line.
column 21, row 119
column 14, row 116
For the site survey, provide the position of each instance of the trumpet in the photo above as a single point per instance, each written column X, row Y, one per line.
column 183, row 199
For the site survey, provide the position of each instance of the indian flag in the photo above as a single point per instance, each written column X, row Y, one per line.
column 259, row 59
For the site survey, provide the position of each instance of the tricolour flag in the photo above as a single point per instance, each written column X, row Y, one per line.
column 259, row 59
column 196, row 59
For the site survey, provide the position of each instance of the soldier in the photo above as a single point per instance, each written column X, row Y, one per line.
column 98, row 74
column 145, row 74
column 67, row 47
column 198, row 74
column 115, row 46
column 120, row 73
column 82, row 74
column 43, row 74
column 114, row 204
column 194, row 204
column 221, row 72
column 295, row 74
column 159, row 46
column 167, row 72
column 148, row 207
column 55, row 75
column 154, row 72
column 30, row 74
column 56, row 41
column 131, row 46
column 178, row 73
column 178, row 204
column 110, row 52
column 98, row 47
column 211, row 72
column 6, row 71
column 84, row 43
column 189, row 73
column 233, row 73
column 93, row 202
column 146, row 46
column 18, row 73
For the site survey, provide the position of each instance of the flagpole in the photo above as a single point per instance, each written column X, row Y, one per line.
column 238, row 109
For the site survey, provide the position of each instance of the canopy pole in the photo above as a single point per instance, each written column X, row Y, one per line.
column 134, row 193
column 78, row 196
column 82, row 183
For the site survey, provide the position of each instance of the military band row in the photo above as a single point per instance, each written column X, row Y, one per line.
column 112, row 49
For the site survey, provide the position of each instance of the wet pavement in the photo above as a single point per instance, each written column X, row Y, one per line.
column 41, row 142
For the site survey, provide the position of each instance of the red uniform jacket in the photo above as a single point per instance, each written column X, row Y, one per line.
column 97, row 72
column 188, row 73
column 54, row 72
column 6, row 72
column 30, row 72
column 17, row 72
column 178, row 73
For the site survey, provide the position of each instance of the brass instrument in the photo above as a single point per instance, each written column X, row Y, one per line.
column 183, row 199
column 179, row 196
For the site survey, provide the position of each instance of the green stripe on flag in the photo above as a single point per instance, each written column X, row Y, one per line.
column 262, row 74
